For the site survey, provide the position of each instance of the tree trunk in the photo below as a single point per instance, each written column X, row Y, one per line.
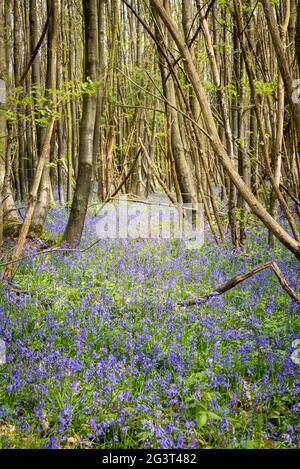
column 277, row 149
column 74, row 228
column 225, row 118
column 183, row 170
column 282, row 64
column 297, row 38
column 41, row 207
column 3, row 129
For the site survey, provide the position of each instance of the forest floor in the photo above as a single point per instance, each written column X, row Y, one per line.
column 99, row 354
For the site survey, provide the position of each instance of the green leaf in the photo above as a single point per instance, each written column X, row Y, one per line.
column 213, row 415
column 202, row 419
column 250, row 444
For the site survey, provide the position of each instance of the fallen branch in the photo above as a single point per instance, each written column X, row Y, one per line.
column 234, row 281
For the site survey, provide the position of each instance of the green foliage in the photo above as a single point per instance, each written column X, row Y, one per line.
column 223, row 3
column 208, row 85
column 183, row 84
column 230, row 89
column 224, row 22
column 160, row 134
column 249, row 7
column 39, row 101
column 262, row 88
column 265, row 88
column 201, row 54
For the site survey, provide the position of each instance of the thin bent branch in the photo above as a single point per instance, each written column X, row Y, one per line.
column 234, row 281
column 37, row 48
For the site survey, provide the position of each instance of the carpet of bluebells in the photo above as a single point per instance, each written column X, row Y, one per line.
column 99, row 354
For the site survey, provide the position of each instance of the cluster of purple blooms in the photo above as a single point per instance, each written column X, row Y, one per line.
column 99, row 352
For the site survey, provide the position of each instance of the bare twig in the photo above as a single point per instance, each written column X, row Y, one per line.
column 147, row 202
column 37, row 48
column 290, row 194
